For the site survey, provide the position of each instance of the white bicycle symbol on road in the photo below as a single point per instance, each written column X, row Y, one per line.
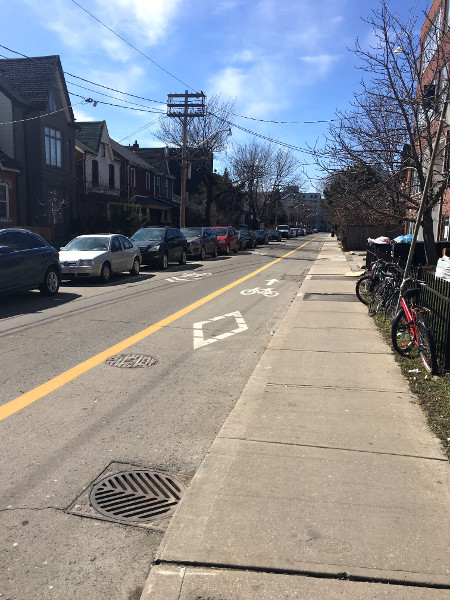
column 268, row 292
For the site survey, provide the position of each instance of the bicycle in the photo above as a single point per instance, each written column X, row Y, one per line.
column 387, row 293
column 410, row 329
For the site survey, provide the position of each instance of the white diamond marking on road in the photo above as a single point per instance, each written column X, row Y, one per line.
column 199, row 339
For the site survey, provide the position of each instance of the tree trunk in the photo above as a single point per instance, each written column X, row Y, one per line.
column 428, row 238
column 209, row 186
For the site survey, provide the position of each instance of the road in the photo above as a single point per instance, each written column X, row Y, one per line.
column 69, row 417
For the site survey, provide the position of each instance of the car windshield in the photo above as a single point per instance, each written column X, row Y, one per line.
column 89, row 243
column 220, row 230
column 192, row 231
column 149, row 235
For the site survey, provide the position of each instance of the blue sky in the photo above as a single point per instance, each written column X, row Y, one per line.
column 282, row 60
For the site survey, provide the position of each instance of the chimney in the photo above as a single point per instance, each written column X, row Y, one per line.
column 135, row 146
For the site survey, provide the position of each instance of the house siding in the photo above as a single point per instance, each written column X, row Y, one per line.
column 6, row 131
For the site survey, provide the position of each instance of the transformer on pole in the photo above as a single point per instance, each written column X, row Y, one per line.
column 184, row 106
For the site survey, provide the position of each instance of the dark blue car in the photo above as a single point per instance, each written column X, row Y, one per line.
column 27, row 262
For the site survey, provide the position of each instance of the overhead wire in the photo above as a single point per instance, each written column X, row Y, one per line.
column 131, row 45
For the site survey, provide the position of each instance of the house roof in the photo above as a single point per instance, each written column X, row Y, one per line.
column 130, row 156
column 30, row 79
column 89, row 135
column 156, row 157
column 7, row 163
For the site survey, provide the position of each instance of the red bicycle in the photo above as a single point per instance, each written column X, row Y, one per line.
column 410, row 330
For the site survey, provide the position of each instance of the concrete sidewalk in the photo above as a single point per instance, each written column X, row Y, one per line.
column 325, row 481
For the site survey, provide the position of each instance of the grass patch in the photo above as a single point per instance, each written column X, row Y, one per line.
column 433, row 392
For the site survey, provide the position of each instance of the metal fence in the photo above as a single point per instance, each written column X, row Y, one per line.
column 434, row 297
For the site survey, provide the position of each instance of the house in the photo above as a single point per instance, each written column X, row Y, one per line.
column 37, row 133
column 433, row 84
column 9, row 171
column 118, row 190
column 98, row 176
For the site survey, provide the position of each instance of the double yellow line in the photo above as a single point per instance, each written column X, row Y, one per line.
column 28, row 398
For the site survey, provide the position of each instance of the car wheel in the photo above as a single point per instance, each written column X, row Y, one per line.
column 183, row 259
column 105, row 273
column 164, row 261
column 135, row 268
column 214, row 254
column 202, row 253
column 50, row 285
column 255, row 243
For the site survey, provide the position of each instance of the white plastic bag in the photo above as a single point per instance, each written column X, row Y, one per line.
column 378, row 240
column 443, row 268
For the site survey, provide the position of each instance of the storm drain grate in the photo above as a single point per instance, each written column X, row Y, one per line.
column 330, row 297
column 290, row 277
column 133, row 497
column 131, row 361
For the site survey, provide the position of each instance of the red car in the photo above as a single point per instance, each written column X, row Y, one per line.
column 227, row 239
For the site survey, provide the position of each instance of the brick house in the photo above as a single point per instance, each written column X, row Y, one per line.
column 37, row 133
column 117, row 188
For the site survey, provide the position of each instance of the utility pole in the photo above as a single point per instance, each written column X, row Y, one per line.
column 193, row 105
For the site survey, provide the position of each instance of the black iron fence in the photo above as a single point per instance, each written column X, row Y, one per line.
column 434, row 296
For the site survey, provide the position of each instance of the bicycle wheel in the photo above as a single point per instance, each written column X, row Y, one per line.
column 377, row 299
column 391, row 304
column 427, row 347
column 365, row 288
column 401, row 334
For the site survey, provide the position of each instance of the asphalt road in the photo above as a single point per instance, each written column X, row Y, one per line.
column 67, row 416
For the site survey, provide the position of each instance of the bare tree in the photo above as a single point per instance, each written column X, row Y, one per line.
column 387, row 135
column 265, row 172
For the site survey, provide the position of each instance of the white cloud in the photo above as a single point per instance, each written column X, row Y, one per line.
column 138, row 21
column 321, row 64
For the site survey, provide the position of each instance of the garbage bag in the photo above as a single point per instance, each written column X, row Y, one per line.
column 378, row 240
column 443, row 268
column 403, row 239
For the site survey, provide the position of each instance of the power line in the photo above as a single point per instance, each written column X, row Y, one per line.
column 131, row 45
column 44, row 115
column 95, row 102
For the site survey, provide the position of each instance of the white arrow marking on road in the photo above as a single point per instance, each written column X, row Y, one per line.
column 200, row 341
column 271, row 282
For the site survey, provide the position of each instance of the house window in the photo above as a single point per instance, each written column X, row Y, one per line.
column 51, row 102
column 95, row 173
column 446, row 229
column 4, row 202
column 112, row 182
column 431, row 40
column 132, row 177
column 148, row 180
column 52, row 139
column 103, row 149
column 157, row 186
column 446, row 165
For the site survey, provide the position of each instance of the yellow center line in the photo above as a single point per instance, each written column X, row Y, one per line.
column 28, row 398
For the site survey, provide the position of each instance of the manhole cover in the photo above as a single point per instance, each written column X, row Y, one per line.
column 133, row 497
column 131, row 361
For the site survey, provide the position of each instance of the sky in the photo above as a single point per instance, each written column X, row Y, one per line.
column 278, row 60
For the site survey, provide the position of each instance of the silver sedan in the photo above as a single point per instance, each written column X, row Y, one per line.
column 99, row 255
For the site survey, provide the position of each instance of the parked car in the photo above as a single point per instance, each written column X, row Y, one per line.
column 161, row 245
column 246, row 239
column 99, row 255
column 274, row 235
column 261, row 236
column 227, row 239
column 284, row 231
column 27, row 262
column 201, row 241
